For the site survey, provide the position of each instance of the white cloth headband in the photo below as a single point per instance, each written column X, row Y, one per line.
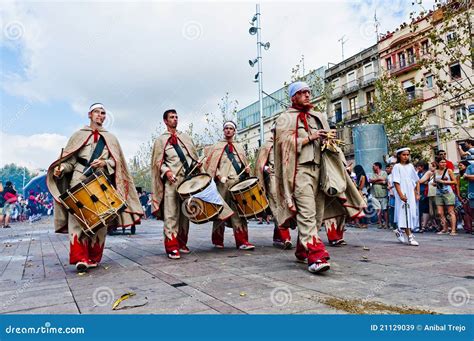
column 230, row 123
column 95, row 106
column 402, row 150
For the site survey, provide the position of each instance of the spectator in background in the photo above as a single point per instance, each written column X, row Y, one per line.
column 379, row 191
column 463, row 193
column 428, row 180
column 469, row 176
column 391, row 196
column 362, row 185
column 2, row 204
column 424, row 203
column 467, row 151
column 407, row 193
column 9, row 194
column 441, row 154
column 445, row 198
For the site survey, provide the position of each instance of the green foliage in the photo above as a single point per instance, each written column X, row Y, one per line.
column 449, row 42
column 14, row 173
column 399, row 112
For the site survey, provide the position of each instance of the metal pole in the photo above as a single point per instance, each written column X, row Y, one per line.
column 260, row 80
column 437, row 138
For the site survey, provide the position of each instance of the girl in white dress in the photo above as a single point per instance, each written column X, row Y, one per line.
column 407, row 193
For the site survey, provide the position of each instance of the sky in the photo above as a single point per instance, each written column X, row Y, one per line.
column 141, row 58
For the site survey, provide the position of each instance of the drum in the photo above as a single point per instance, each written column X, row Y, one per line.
column 249, row 196
column 201, row 200
column 94, row 202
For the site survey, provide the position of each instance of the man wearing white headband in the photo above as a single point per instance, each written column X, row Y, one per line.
column 298, row 163
column 227, row 163
column 91, row 149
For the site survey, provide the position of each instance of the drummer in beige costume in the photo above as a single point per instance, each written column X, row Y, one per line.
column 226, row 172
column 73, row 168
column 169, row 169
column 265, row 171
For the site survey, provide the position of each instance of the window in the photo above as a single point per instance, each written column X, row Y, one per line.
column 461, row 114
column 451, row 36
column 411, row 56
column 370, row 96
column 388, row 61
column 368, row 72
column 353, row 105
column 351, row 76
column 338, row 112
column 409, row 87
column 336, row 84
column 429, row 81
column 402, row 59
column 455, row 71
column 425, row 47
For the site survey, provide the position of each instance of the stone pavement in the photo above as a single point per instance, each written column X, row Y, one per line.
column 372, row 274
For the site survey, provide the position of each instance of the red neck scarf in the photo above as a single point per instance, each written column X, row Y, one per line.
column 302, row 116
column 231, row 147
column 173, row 139
column 96, row 135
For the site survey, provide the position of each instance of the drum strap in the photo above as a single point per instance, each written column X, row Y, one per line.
column 99, row 148
column 232, row 159
column 180, row 153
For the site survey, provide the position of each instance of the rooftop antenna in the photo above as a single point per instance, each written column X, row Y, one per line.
column 377, row 24
column 343, row 40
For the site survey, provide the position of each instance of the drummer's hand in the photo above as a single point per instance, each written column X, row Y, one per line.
column 58, row 171
column 171, row 177
column 247, row 169
column 199, row 165
column 98, row 163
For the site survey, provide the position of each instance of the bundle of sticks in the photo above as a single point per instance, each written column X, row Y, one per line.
column 331, row 142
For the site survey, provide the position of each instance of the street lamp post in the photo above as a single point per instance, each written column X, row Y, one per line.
column 256, row 29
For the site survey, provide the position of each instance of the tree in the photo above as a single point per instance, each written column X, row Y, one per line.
column 399, row 112
column 15, row 173
column 448, row 55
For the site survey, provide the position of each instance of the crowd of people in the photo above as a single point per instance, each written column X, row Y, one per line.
column 16, row 207
column 442, row 195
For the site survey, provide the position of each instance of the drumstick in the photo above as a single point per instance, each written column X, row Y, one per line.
column 241, row 172
column 200, row 161
column 58, row 167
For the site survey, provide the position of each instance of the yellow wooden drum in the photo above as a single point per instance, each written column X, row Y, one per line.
column 249, row 196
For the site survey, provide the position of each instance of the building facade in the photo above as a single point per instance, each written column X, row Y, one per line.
column 402, row 53
column 352, row 82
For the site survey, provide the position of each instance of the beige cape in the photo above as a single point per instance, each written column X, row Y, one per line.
column 123, row 181
column 349, row 202
column 214, row 154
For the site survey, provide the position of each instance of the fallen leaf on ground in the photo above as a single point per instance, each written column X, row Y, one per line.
column 122, row 298
column 243, row 294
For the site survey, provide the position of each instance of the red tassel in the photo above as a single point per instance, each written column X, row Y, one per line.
column 231, row 147
column 302, row 116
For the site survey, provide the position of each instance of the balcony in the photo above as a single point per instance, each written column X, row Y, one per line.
column 354, row 85
column 404, row 66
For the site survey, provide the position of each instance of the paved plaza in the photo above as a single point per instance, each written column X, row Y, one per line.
column 372, row 274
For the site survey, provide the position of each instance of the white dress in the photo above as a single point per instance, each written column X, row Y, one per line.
column 406, row 176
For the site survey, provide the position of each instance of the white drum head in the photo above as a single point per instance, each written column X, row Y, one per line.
column 247, row 183
column 194, row 185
